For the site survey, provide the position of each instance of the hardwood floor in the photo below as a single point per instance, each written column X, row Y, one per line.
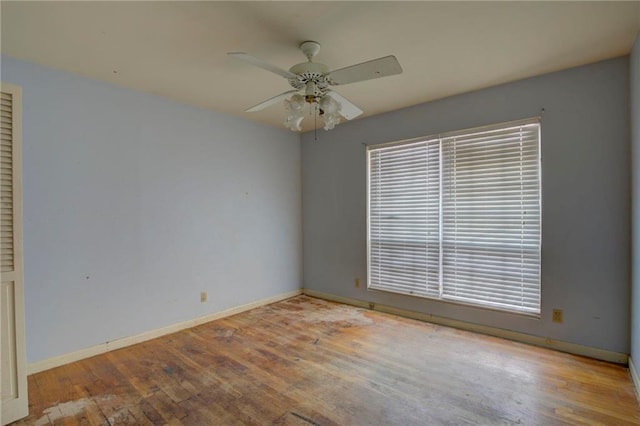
column 305, row 361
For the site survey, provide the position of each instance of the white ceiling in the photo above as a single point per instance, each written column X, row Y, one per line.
column 178, row 49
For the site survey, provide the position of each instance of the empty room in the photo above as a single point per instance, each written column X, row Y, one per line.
column 319, row 213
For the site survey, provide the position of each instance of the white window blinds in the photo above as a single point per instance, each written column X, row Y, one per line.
column 457, row 217
column 404, row 203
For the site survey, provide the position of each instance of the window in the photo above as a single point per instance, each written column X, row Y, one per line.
column 457, row 217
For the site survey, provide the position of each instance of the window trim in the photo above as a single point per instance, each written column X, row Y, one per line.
column 440, row 136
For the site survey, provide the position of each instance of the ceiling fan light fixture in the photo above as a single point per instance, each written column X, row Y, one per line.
column 294, row 107
column 295, row 103
column 330, row 121
column 293, row 122
column 329, row 105
column 330, row 112
column 326, row 107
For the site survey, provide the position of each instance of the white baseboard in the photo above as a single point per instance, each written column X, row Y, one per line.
column 572, row 348
column 634, row 378
column 101, row 348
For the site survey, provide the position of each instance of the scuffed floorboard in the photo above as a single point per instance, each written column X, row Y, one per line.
column 305, row 361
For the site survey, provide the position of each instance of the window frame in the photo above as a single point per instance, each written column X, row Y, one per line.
column 536, row 121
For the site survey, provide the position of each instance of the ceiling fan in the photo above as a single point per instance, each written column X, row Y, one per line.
column 311, row 82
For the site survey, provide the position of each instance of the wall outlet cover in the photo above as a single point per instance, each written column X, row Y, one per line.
column 556, row 315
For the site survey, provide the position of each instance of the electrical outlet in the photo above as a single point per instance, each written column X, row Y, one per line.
column 357, row 282
column 203, row 296
column 556, row 316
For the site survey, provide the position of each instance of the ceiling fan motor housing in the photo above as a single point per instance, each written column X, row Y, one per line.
column 310, row 72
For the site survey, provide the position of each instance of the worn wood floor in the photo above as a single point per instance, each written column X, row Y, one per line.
column 305, row 361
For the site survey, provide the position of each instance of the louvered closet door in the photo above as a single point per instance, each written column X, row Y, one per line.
column 12, row 360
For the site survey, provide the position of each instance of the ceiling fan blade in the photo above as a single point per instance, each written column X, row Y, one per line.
column 262, row 64
column 347, row 110
column 375, row 68
column 271, row 101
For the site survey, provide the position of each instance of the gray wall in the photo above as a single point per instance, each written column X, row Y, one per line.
column 585, row 195
column 133, row 204
column 635, row 201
